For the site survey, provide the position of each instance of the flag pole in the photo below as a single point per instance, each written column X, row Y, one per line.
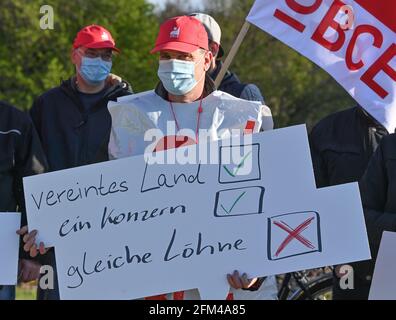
column 233, row 52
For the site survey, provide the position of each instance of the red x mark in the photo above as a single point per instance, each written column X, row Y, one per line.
column 294, row 234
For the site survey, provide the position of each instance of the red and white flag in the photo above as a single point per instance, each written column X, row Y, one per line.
column 353, row 40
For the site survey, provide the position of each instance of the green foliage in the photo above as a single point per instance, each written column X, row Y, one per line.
column 33, row 60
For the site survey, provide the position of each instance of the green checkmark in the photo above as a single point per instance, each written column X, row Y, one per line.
column 234, row 204
column 238, row 167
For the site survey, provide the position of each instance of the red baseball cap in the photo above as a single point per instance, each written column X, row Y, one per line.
column 184, row 33
column 95, row 37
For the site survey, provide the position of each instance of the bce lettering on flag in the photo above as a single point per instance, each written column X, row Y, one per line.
column 354, row 41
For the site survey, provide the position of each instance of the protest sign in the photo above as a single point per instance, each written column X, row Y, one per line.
column 354, row 41
column 116, row 224
column 383, row 286
column 9, row 247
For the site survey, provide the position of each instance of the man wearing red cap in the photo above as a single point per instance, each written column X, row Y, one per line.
column 72, row 120
column 186, row 98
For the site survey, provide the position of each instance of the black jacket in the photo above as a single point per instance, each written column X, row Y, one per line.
column 70, row 135
column 378, row 190
column 21, row 155
column 341, row 147
column 233, row 86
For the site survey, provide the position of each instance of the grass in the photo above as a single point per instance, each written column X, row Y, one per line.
column 26, row 291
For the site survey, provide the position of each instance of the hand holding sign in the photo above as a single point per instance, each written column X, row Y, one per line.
column 240, row 282
column 29, row 270
column 29, row 238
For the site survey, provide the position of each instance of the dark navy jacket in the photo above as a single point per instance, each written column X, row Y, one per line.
column 341, row 146
column 70, row 134
column 20, row 155
column 233, row 86
column 378, row 189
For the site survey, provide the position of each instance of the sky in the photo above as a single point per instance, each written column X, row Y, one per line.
column 195, row 3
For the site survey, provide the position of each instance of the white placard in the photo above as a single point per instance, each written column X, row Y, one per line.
column 383, row 286
column 9, row 247
column 187, row 226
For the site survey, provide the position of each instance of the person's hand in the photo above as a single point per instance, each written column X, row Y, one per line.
column 337, row 270
column 113, row 80
column 29, row 238
column 240, row 282
column 29, row 270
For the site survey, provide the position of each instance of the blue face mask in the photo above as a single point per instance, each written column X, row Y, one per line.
column 177, row 76
column 95, row 70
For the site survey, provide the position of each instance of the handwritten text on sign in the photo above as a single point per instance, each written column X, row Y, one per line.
column 116, row 224
column 352, row 40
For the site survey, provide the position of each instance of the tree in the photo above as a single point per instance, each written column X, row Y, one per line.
column 295, row 88
column 174, row 8
column 33, row 60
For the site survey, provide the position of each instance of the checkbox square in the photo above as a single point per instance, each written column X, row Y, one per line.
column 239, row 202
column 239, row 163
column 293, row 234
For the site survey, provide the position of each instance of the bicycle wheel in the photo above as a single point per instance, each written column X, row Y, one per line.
column 318, row 289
